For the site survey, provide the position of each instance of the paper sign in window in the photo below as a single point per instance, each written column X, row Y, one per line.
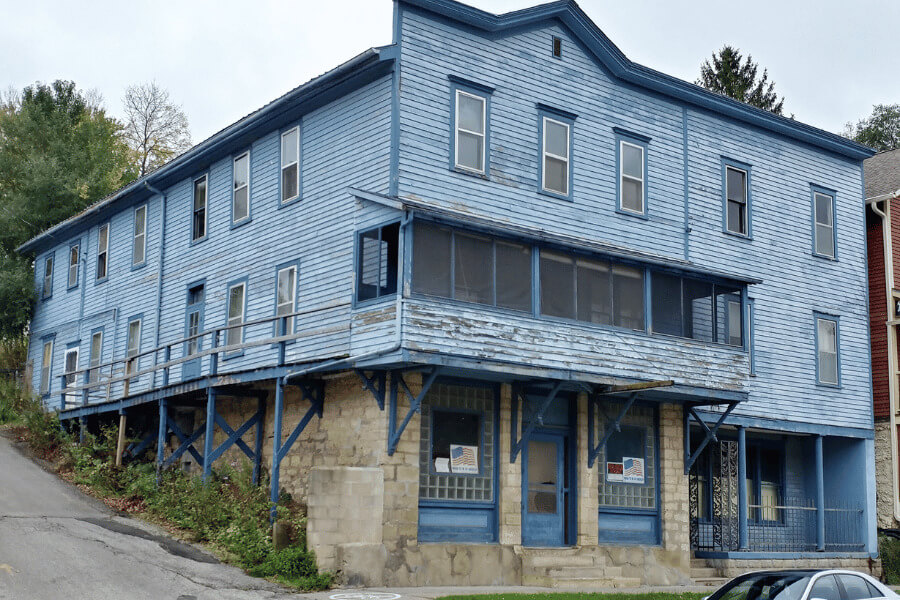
column 632, row 470
column 464, row 459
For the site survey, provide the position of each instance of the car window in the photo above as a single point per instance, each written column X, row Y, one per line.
column 876, row 593
column 825, row 588
column 764, row 586
column 856, row 587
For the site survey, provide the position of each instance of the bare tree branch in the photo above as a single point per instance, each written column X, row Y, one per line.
column 156, row 129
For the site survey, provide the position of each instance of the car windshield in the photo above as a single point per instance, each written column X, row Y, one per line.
column 764, row 586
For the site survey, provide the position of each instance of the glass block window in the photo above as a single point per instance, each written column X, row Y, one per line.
column 451, row 411
column 624, row 483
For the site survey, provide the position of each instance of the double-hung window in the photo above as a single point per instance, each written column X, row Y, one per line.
column 133, row 346
column 471, row 127
column 198, row 220
column 823, row 227
column 737, row 200
column 139, row 243
column 47, row 288
column 377, row 262
column 73, row 265
column 237, row 293
column 290, row 165
column 96, row 357
column 240, row 200
column 555, row 156
column 827, row 349
column 285, row 298
column 46, row 367
column 71, row 372
column 632, row 163
column 102, row 251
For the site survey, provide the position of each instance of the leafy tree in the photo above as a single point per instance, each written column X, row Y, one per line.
column 730, row 75
column 59, row 153
column 155, row 127
column 880, row 130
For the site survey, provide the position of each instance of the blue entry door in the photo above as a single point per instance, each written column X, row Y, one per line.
column 544, row 491
column 193, row 325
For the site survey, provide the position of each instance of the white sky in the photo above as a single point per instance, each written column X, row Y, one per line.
column 831, row 59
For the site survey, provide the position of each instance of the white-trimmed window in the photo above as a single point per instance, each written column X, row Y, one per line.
column 139, row 244
column 96, row 357
column 736, row 215
column 102, row 251
column 237, row 294
column 827, row 348
column 198, row 219
column 47, row 289
column 133, row 346
column 290, row 164
column 824, row 224
column 285, row 297
column 471, row 111
column 555, row 151
column 631, row 177
column 46, row 367
column 71, row 368
column 73, row 265
column 240, row 204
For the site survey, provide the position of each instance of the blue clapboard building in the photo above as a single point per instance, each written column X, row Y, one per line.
column 498, row 305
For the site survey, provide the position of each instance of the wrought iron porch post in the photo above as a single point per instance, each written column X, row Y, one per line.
column 743, row 529
column 820, row 494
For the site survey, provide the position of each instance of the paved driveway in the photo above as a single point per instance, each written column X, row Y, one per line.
column 57, row 544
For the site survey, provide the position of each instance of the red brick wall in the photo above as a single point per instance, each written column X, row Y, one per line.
column 878, row 308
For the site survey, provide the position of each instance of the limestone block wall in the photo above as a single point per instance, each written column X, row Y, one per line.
column 588, row 496
column 884, row 490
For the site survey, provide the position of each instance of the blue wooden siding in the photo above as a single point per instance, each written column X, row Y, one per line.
column 684, row 158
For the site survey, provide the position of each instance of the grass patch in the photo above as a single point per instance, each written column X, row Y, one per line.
column 582, row 596
column 228, row 513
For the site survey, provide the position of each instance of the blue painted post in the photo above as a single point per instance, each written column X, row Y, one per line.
column 257, row 457
column 820, row 494
column 62, row 394
column 743, row 528
column 214, row 357
column 210, row 425
column 276, row 446
column 168, row 357
column 161, row 440
column 282, row 346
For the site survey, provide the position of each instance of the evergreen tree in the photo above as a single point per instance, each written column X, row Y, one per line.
column 730, row 75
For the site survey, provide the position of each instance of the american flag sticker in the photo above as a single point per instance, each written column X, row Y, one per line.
column 464, row 459
column 633, row 470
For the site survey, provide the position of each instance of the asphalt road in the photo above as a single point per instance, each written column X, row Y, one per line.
column 58, row 544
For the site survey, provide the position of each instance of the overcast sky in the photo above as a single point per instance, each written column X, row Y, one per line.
column 831, row 59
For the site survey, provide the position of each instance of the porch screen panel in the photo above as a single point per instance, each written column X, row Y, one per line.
column 637, row 436
column 471, row 404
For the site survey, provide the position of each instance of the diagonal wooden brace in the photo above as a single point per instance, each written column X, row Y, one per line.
column 415, row 404
column 234, row 437
column 710, row 434
column 186, row 443
column 376, row 384
column 610, row 427
column 516, row 446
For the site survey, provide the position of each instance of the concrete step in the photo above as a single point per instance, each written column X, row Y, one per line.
column 549, row 561
column 585, row 572
column 587, row 583
column 698, row 563
column 712, row 582
column 703, row 572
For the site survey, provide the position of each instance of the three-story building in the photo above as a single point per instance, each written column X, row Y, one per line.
column 499, row 306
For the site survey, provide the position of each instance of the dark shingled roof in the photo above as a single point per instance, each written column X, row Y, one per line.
column 882, row 173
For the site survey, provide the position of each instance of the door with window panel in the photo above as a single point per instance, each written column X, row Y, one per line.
column 193, row 327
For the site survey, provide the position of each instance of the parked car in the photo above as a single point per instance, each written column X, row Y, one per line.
column 803, row 584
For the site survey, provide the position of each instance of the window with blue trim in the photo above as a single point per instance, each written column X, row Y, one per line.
column 198, row 218
column 556, row 146
column 139, row 241
column 133, row 346
column 46, row 367
column 240, row 199
column 737, row 211
column 290, row 165
column 827, row 363
column 824, row 242
column 457, row 446
column 285, row 297
column 471, row 131
column 377, row 262
column 96, row 356
column 102, row 251
column 628, row 461
column 632, row 182
column 696, row 309
column 74, row 252
column 47, row 287
column 237, row 299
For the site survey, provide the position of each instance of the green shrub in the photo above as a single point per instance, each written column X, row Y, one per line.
column 889, row 550
column 294, row 565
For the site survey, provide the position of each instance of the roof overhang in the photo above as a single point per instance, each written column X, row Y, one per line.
column 606, row 52
column 499, row 225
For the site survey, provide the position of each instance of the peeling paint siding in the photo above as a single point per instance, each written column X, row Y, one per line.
column 344, row 144
column 520, row 68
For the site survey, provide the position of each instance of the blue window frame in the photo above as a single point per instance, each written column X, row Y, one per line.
column 46, row 382
column 240, row 189
column 377, row 262
column 102, row 273
column 199, row 208
column 824, row 227
column 235, row 314
column 133, row 344
column 290, row 186
column 47, row 280
column 95, row 358
column 470, row 127
column 631, row 169
column 737, row 200
column 555, row 135
column 828, row 349
column 751, row 334
column 286, row 286
column 139, row 237
column 73, row 265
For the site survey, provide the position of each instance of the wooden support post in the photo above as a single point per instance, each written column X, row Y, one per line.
column 820, row 494
column 210, row 427
column 120, row 446
column 257, row 456
column 276, row 447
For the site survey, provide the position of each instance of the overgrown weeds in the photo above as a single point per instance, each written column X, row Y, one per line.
column 889, row 551
column 228, row 511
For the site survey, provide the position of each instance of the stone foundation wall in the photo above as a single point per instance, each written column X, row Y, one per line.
column 734, row 567
column 884, row 490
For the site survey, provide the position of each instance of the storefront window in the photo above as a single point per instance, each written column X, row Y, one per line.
column 628, row 462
